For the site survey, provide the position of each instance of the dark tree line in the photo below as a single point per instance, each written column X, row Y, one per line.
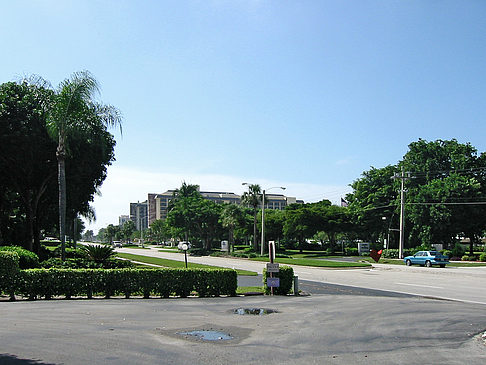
column 29, row 192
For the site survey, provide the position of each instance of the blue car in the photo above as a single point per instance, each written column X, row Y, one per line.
column 427, row 258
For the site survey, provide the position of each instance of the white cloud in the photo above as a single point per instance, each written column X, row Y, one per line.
column 127, row 185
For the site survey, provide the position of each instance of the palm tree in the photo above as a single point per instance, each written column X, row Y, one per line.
column 252, row 199
column 231, row 218
column 73, row 111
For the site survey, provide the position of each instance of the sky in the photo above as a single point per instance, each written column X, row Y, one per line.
column 302, row 94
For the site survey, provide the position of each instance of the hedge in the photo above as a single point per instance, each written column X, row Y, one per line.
column 27, row 259
column 9, row 271
column 163, row 282
column 286, row 275
column 392, row 253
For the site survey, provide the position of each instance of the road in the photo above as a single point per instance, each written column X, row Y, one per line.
column 317, row 329
column 464, row 284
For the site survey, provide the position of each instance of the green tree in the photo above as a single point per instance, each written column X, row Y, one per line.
column 375, row 195
column 445, row 184
column 127, row 230
column 159, row 230
column 73, row 110
column 232, row 218
column 448, row 180
column 197, row 217
column 88, row 235
column 298, row 223
column 110, row 233
column 27, row 161
column 252, row 199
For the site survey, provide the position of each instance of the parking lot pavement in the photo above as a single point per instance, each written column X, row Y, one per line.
column 317, row 329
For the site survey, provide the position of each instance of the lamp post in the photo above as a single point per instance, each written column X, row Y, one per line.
column 262, row 248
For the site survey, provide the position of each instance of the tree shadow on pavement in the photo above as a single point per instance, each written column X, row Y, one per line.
column 7, row 359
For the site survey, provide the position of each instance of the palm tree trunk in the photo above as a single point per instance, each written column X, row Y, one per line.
column 62, row 198
column 255, row 243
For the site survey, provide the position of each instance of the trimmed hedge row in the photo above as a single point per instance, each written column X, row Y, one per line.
column 392, row 253
column 163, row 282
column 286, row 275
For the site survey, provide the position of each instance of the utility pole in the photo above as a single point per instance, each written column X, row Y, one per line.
column 262, row 250
column 402, row 210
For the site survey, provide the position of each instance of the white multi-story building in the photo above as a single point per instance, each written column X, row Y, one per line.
column 158, row 204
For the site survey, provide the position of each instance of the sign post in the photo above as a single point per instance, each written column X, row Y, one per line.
column 272, row 268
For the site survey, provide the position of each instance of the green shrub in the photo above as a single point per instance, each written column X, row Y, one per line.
column 9, row 271
column 71, row 253
column 482, row 257
column 98, row 253
column 393, row 253
column 47, row 283
column 27, row 259
column 447, row 253
column 286, row 275
column 351, row 251
column 457, row 250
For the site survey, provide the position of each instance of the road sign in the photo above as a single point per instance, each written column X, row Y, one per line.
column 273, row 282
column 272, row 267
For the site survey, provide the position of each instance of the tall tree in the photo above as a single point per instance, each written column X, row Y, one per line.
column 73, row 111
column 232, row 217
column 252, row 199
column 27, row 157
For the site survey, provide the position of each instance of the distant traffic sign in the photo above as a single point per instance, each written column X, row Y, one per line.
column 272, row 267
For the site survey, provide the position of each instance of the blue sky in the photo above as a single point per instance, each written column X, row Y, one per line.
column 304, row 94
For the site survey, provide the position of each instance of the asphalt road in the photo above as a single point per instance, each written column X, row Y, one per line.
column 453, row 283
column 318, row 329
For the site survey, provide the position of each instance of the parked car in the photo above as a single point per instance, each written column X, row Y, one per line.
column 427, row 258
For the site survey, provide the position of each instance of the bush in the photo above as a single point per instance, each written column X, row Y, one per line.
column 98, row 253
column 83, row 263
column 351, row 251
column 27, row 259
column 197, row 251
column 446, row 253
column 71, row 253
column 392, row 253
column 9, row 271
column 286, row 275
column 457, row 250
column 36, row 283
column 482, row 257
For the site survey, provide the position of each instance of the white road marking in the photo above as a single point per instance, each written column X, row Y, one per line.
column 422, row 286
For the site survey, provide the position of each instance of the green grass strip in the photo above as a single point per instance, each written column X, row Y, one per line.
column 315, row 263
column 176, row 264
column 249, row 289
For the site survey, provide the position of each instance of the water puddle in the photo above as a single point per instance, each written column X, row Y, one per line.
column 207, row 335
column 253, row 311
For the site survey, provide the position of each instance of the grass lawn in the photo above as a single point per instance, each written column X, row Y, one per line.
column 136, row 246
column 249, row 289
column 314, row 262
column 175, row 264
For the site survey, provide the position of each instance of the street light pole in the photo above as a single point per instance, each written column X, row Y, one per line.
column 262, row 251
column 262, row 248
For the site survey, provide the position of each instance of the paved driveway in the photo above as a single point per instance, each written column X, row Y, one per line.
column 318, row 329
